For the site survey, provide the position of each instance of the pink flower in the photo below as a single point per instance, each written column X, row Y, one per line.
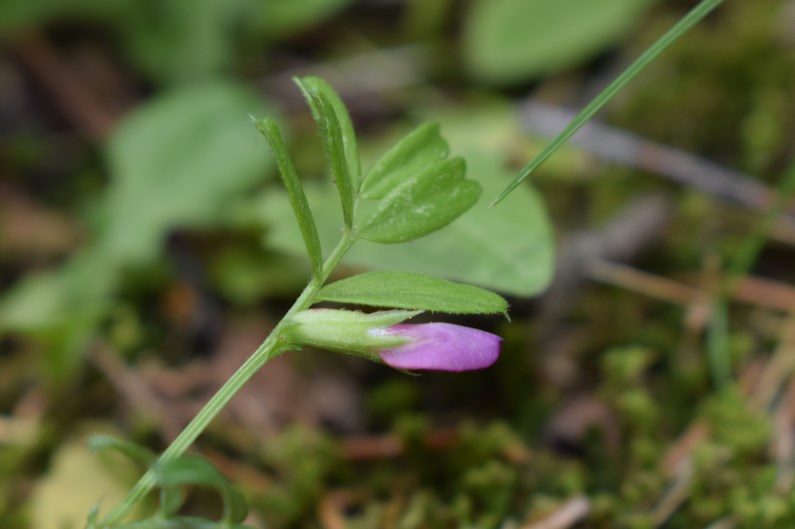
column 440, row 347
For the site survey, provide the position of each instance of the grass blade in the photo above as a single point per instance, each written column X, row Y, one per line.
column 688, row 21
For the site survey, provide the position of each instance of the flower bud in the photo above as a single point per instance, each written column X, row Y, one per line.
column 382, row 337
column 441, row 347
column 347, row 331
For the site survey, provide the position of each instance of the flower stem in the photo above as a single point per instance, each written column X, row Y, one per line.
column 271, row 347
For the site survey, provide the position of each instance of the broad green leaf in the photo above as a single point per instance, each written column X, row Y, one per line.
column 506, row 248
column 183, row 41
column 176, row 161
column 507, row 41
column 282, row 17
column 346, row 127
column 422, row 204
column 332, row 136
column 411, row 155
column 413, row 291
column 301, row 209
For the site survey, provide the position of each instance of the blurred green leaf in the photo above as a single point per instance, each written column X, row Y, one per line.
column 178, row 41
column 413, row 291
column 319, row 95
column 245, row 275
column 176, row 162
column 507, row 41
column 61, row 307
column 411, row 155
column 139, row 454
column 422, row 204
column 183, row 40
column 21, row 14
column 301, row 209
column 194, row 470
column 507, row 248
column 281, row 17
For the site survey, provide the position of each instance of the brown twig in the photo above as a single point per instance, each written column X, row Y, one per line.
column 755, row 291
column 634, row 229
column 136, row 392
column 389, row 446
column 644, row 283
column 621, row 147
column 366, row 448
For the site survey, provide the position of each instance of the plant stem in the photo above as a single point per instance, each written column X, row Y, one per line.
column 271, row 347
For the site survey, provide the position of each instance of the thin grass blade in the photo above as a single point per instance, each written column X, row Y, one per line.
column 687, row 22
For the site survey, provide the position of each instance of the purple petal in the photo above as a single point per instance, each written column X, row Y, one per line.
column 442, row 347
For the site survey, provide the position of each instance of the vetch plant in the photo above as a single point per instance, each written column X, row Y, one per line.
column 414, row 189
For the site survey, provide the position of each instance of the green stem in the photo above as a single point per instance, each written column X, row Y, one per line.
column 271, row 347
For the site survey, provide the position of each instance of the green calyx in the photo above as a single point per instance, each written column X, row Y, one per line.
column 346, row 331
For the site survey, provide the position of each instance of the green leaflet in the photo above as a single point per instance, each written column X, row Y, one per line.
column 301, row 209
column 413, row 291
column 349, row 145
column 172, row 474
column 422, row 204
column 320, row 98
column 507, row 248
column 411, row 155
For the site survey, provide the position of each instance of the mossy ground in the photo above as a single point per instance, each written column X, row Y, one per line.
column 618, row 415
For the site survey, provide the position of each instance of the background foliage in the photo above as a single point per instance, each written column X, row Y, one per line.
column 146, row 248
